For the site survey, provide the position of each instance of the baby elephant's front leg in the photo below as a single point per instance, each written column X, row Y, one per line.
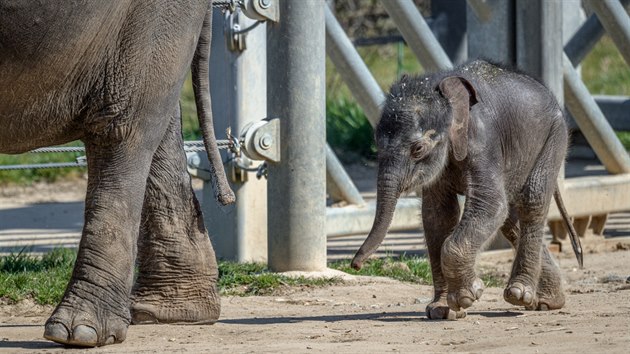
column 460, row 250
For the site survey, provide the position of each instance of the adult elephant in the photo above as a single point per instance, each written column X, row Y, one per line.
column 109, row 73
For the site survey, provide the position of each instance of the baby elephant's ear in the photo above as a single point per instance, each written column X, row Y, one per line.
column 461, row 95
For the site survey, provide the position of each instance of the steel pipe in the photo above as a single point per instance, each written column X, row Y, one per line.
column 340, row 185
column 296, row 190
column 353, row 70
column 417, row 34
column 616, row 21
column 585, row 38
column 592, row 122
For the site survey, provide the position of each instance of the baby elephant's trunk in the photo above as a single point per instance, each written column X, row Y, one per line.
column 385, row 207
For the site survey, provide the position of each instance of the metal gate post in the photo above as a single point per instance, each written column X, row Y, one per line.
column 296, row 93
column 238, row 86
column 539, row 45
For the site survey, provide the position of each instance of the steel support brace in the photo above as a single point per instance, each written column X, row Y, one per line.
column 340, row 185
column 352, row 220
column 594, row 196
column 585, row 38
column 296, row 93
column 616, row 21
column 418, row 35
column 592, row 122
column 353, row 70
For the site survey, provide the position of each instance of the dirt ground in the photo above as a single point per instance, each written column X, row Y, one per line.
column 382, row 315
column 374, row 315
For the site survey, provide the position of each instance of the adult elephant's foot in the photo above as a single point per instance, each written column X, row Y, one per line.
column 463, row 297
column 439, row 310
column 179, row 301
column 79, row 322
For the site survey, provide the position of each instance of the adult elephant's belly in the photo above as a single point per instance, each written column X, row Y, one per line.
column 49, row 56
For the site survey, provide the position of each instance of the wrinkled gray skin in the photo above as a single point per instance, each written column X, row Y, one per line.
column 495, row 136
column 109, row 73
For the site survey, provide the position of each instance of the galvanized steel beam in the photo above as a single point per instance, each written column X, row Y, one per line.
column 592, row 122
column 599, row 195
column 353, row 70
column 418, row 35
column 352, row 220
column 616, row 21
column 296, row 190
column 339, row 184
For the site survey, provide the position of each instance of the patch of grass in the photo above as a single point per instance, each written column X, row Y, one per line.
column 492, row 280
column 43, row 278
column 404, row 268
column 624, row 137
column 246, row 279
column 407, row 268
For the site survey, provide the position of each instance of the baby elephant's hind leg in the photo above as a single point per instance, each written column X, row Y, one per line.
column 549, row 293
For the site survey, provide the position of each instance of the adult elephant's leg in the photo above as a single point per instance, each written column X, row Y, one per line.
column 95, row 308
column 176, row 263
column 440, row 213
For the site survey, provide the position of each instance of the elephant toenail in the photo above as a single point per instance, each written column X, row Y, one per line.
column 516, row 292
column 85, row 335
column 465, row 302
column 56, row 331
column 528, row 297
column 110, row 340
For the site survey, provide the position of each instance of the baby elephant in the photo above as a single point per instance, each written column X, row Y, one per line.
column 495, row 136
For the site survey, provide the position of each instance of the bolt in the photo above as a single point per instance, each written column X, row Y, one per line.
column 194, row 160
column 264, row 3
column 265, row 141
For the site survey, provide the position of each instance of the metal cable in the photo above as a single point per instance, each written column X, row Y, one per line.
column 193, row 145
column 226, row 4
column 43, row 165
column 189, row 146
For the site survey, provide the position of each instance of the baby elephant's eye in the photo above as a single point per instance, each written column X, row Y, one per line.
column 419, row 150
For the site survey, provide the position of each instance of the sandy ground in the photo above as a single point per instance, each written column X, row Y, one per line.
column 372, row 315
column 381, row 315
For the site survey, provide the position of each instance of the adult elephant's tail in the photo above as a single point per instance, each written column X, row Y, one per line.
column 575, row 239
column 222, row 191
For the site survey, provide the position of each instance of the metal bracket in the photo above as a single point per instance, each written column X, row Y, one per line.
column 262, row 10
column 234, row 38
column 261, row 140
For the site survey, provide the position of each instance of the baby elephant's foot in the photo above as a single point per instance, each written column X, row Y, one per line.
column 520, row 294
column 464, row 297
column 439, row 310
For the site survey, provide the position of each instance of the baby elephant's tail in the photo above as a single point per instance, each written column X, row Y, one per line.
column 575, row 240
